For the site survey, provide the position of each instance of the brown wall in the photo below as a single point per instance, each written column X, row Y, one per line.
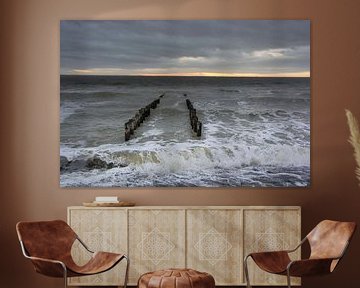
column 29, row 111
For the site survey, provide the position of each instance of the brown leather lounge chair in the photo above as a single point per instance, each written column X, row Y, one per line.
column 328, row 242
column 48, row 245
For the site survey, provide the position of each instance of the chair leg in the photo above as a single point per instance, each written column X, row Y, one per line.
column 65, row 275
column 288, row 278
column 127, row 271
column 246, row 270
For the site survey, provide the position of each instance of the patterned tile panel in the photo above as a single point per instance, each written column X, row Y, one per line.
column 156, row 246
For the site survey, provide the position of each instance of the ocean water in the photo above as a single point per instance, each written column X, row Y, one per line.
column 256, row 132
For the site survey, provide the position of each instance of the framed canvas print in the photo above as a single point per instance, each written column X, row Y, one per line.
column 199, row 103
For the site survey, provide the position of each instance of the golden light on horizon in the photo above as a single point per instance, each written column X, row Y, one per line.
column 82, row 71
column 123, row 72
column 219, row 74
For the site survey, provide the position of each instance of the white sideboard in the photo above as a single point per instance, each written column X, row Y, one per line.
column 212, row 239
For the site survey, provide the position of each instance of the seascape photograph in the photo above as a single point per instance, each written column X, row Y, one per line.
column 180, row 103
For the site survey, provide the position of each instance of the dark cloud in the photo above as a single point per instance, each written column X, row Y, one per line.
column 135, row 47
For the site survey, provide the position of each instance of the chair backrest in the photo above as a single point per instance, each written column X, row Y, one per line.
column 329, row 239
column 46, row 239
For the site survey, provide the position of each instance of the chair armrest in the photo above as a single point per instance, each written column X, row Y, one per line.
column 45, row 260
column 280, row 251
column 309, row 267
column 48, row 267
column 268, row 253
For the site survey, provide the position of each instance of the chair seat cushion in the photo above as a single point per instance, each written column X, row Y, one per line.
column 176, row 278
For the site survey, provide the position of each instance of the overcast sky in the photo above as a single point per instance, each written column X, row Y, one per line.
column 209, row 48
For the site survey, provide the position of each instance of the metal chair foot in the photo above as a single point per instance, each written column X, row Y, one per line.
column 127, row 271
column 246, row 270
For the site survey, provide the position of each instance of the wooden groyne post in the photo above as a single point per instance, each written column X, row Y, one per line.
column 139, row 117
column 196, row 125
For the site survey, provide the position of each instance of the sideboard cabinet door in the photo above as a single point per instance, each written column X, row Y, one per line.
column 214, row 243
column 101, row 230
column 156, row 240
column 269, row 230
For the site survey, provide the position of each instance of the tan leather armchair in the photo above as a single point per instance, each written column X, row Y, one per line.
column 328, row 242
column 48, row 245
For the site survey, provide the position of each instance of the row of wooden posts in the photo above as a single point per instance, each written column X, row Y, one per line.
column 143, row 113
column 196, row 125
column 139, row 118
